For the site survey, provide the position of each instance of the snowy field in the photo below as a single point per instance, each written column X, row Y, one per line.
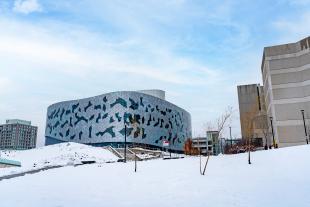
column 275, row 178
column 54, row 155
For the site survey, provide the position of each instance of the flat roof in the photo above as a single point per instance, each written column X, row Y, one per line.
column 10, row 162
column 17, row 121
column 287, row 48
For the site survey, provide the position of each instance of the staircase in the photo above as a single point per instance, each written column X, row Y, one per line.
column 140, row 153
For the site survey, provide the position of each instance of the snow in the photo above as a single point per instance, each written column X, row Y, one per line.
column 275, row 178
column 54, row 155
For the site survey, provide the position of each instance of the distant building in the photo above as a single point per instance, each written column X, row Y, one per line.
column 211, row 144
column 18, row 134
column 286, row 78
column 253, row 117
column 207, row 145
column 200, row 143
column 214, row 144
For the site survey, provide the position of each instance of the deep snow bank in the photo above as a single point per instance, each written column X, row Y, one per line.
column 59, row 154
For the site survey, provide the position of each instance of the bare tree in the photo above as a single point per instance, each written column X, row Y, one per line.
column 221, row 123
column 137, row 131
column 209, row 126
column 224, row 120
column 261, row 124
column 250, row 122
column 247, row 122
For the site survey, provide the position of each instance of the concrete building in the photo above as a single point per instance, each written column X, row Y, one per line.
column 253, row 118
column 209, row 144
column 200, row 143
column 214, row 144
column 99, row 121
column 18, row 134
column 286, row 79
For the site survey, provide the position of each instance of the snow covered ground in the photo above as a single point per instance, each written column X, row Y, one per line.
column 276, row 178
column 60, row 154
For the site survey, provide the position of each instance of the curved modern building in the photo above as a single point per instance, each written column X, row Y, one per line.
column 101, row 120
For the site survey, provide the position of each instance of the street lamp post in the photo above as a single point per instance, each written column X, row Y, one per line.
column 231, row 142
column 266, row 145
column 125, row 143
column 249, row 157
column 135, row 162
column 223, row 147
column 303, row 118
column 274, row 143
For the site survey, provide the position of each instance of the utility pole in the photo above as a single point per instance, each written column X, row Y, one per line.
column 221, row 142
column 303, row 118
column 249, row 157
column 231, row 142
column 135, row 162
column 125, row 143
column 199, row 151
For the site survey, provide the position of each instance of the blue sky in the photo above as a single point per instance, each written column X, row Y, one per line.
column 197, row 51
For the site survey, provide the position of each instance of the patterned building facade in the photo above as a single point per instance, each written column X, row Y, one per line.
column 101, row 120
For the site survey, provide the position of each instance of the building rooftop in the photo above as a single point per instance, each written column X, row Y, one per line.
column 10, row 162
column 287, row 48
column 17, row 121
column 199, row 139
column 154, row 92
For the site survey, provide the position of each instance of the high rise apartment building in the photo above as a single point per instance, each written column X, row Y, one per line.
column 18, row 134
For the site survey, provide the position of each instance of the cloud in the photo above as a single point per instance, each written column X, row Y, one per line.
column 124, row 45
column 26, row 6
column 54, row 62
column 6, row 85
column 293, row 29
column 299, row 2
column 43, row 47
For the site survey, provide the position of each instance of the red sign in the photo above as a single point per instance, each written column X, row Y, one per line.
column 165, row 143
